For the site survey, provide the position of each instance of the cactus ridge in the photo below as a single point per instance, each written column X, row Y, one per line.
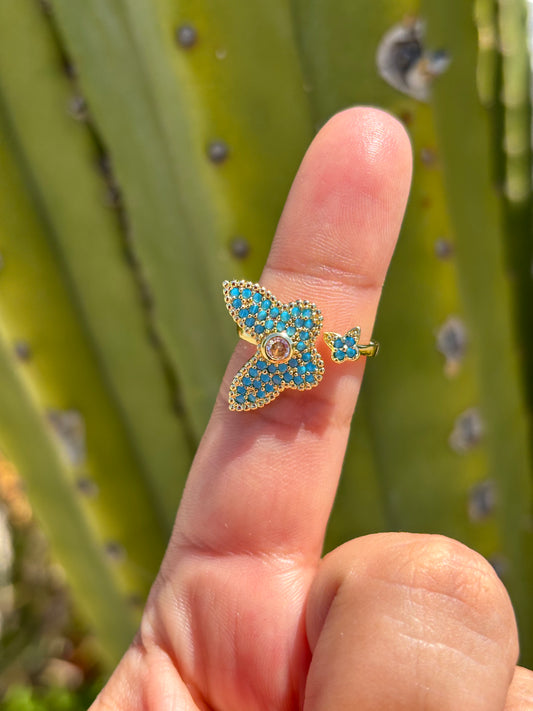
column 78, row 373
column 109, row 300
column 73, row 537
column 482, row 261
column 513, row 130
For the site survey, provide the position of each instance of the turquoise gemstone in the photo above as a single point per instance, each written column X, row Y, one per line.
column 301, row 346
column 260, row 394
column 290, row 330
column 250, row 321
column 259, row 328
column 299, row 322
column 243, row 313
column 237, row 303
column 295, row 311
column 269, row 388
column 282, row 367
column 253, row 372
column 265, row 377
column 257, row 384
column 302, row 369
column 280, row 326
column 274, row 312
column 311, row 367
column 285, row 316
column 298, row 380
column 261, row 364
column 257, row 298
column 350, row 352
column 349, row 341
column 246, row 381
column 234, row 291
column 339, row 355
column 272, row 368
column 246, row 293
column 310, row 378
column 306, row 357
column 293, row 362
column 269, row 324
column 304, row 336
column 276, row 379
column 261, row 316
column 254, row 308
column 240, row 399
column 308, row 323
column 338, row 343
column 241, row 390
column 251, row 397
column 307, row 313
column 266, row 304
column 287, row 377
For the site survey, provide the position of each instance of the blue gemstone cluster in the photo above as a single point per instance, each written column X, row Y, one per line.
column 344, row 348
column 260, row 314
column 265, row 379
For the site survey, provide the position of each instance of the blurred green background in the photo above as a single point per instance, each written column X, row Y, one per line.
column 146, row 150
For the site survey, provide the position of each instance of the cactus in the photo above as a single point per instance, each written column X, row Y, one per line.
column 121, row 213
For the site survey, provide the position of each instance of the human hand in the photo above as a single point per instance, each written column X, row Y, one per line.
column 244, row 615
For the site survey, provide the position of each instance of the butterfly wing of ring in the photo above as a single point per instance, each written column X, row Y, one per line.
column 254, row 386
column 246, row 302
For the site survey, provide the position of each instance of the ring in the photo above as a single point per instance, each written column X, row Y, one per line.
column 285, row 336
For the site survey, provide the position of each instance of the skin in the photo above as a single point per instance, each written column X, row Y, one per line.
column 244, row 614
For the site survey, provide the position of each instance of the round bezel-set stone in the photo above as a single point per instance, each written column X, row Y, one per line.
column 277, row 347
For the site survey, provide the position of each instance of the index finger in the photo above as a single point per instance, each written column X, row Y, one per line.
column 264, row 481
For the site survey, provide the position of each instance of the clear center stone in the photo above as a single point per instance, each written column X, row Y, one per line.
column 277, row 347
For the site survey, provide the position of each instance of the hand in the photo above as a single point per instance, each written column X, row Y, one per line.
column 244, row 615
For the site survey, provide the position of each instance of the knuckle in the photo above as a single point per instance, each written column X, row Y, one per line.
column 443, row 565
column 442, row 572
column 436, row 571
column 431, row 582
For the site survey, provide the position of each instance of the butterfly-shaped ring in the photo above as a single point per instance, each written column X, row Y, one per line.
column 285, row 336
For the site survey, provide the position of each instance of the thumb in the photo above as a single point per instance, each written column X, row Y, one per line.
column 409, row 622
